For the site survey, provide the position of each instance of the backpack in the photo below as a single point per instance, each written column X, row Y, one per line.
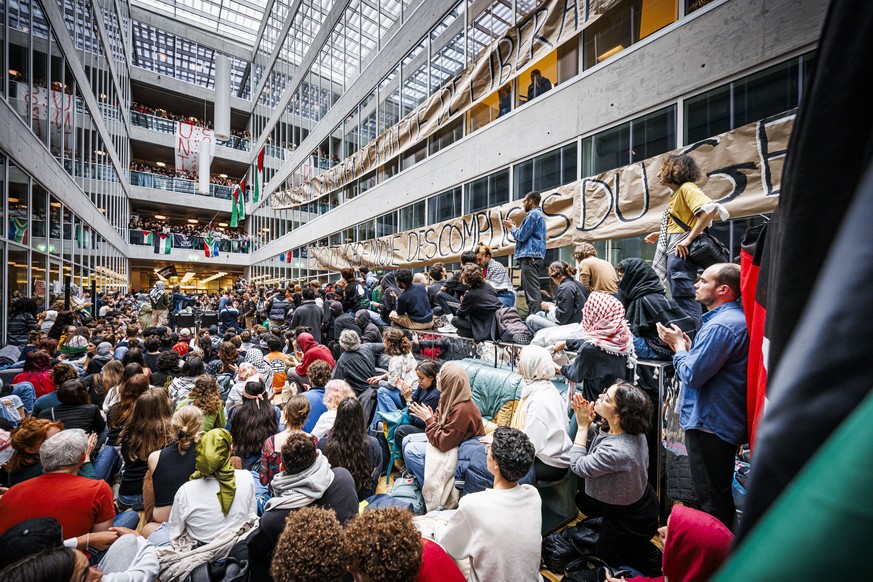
column 407, row 489
column 509, row 327
column 225, row 384
column 363, row 296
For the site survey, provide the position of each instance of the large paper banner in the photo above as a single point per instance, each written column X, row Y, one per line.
column 43, row 104
column 189, row 139
column 742, row 169
column 553, row 23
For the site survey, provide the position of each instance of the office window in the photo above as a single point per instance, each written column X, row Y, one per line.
column 545, row 172
column 444, row 206
column 412, row 216
column 633, row 141
column 487, row 192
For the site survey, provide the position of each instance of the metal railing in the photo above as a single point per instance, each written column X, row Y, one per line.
column 138, row 237
column 180, row 185
column 165, row 125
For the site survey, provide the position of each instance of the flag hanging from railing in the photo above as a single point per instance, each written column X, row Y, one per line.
column 259, row 176
column 210, row 247
column 165, row 244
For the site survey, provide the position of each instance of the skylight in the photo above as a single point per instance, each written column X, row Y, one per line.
column 238, row 20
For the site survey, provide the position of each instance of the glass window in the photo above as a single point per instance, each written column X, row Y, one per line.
column 541, row 78
column 447, row 136
column 19, row 202
column 17, row 273
column 629, row 142
column 412, row 216
column 39, row 217
column 708, row 114
column 412, row 156
column 545, row 172
column 653, row 134
column 444, row 206
column 487, row 192
column 386, row 224
column 366, row 230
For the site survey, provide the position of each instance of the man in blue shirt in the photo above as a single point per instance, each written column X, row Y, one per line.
column 413, row 305
column 530, row 249
column 713, row 373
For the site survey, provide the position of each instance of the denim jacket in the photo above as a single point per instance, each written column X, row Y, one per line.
column 530, row 237
column 713, row 375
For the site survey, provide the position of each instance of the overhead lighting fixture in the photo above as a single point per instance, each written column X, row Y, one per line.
column 55, row 204
column 102, row 210
column 100, row 153
column 222, row 175
column 213, row 277
column 611, row 52
column 193, row 220
column 13, row 200
column 222, row 224
column 161, row 165
column 160, row 217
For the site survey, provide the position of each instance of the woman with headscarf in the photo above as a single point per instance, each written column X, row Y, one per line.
column 605, row 352
column 647, row 304
column 312, row 351
column 695, row 544
column 101, row 357
column 255, row 357
column 369, row 331
column 159, row 300
column 389, row 300
column 456, row 419
column 217, row 498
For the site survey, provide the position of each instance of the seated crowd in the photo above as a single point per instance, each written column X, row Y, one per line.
column 162, row 226
column 142, row 451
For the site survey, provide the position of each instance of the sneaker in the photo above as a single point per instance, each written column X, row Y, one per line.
column 448, row 328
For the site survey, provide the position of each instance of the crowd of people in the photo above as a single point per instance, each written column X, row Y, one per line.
column 193, row 120
column 195, row 230
column 148, row 168
column 259, row 439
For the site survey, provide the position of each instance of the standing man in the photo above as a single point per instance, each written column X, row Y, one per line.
column 538, row 85
column 530, row 248
column 713, row 372
column 160, row 304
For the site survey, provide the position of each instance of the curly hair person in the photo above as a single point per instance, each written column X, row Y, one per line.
column 319, row 373
column 168, row 362
column 471, row 275
column 384, row 545
column 680, row 168
column 310, row 548
column 347, row 442
column 513, row 452
column 204, row 395
column 633, row 407
column 396, row 343
column 298, row 453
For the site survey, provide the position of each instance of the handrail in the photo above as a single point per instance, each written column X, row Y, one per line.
column 164, row 125
column 137, row 237
column 180, row 185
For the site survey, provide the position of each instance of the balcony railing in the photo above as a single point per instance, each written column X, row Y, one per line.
column 137, row 237
column 169, row 126
column 180, row 185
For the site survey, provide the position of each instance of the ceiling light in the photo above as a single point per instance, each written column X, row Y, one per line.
column 160, row 217
column 102, row 210
column 55, row 204
column 100, row 153
column 222, row 224
column 222, row 175
column 161, row 165
column 13, row 199
column 613, row 51
column 193, row 220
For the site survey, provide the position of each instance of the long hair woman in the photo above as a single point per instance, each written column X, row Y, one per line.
column 251, row 423
column 205, row 396
column 169, row 469
column 120, row 413
column 184, row 383
column 349, row 446
column 114, row 392
column 108, row 378
column 24, row 463
column 148, row 430
column 295, row 412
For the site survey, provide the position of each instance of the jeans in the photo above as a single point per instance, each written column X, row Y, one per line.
column 133, row 502
column 128, row 519
column 262, row 493
column 161, row 536
column 106, row 464
column 530, row 282
column 644, row 352
column 507, row 297
column 387, row 399
column 538, row 321
column 414, row 449
column 682, row 275
column 377, row 319
column 448, row 303
column 25, row 391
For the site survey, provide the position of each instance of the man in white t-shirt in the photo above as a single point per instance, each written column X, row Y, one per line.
column 499, row 529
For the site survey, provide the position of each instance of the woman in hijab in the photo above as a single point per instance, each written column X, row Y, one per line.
column 312, row 351
column 647, row 304
column 695, row 544
column 217, row 498
column 605, row 352
column 101, row 357
column 456, row 419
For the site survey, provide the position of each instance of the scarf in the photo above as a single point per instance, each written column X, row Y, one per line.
column 301, row 489
column 454, row 388
column 638, row 281
column 537, row 368
column 659, row 263
column 255, row 357
column 603, row 325
column 697, row 545
column 213, row 460
column 157, row 292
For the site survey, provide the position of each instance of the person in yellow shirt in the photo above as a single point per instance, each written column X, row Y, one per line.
column 696, row 210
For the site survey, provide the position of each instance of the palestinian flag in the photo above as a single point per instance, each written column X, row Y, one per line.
column 83, row 237
column 818, row 287
column 148, row 237
column 238, row 207
column 259, row 177
column 18, row 230
column 754, row 265
column 165, row 244
column 210, row 247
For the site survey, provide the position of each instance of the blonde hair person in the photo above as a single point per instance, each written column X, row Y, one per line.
column 335, row 392
column 170, row 467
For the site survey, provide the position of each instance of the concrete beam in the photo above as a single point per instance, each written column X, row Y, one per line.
column 31, row 155
column 184, row 88
column 167, row 198
column 168, row 140
column 750, row 37
column 417, row 25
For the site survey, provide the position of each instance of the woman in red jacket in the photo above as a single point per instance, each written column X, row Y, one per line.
column 312, row 351
column 37, row 371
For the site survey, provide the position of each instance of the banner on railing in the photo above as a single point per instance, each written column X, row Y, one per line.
column 540, row 32
column 189, row 139
column 181, row 241
column 742, row 169
column 42, row 104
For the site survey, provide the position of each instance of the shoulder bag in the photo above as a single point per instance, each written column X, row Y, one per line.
column 705, row 249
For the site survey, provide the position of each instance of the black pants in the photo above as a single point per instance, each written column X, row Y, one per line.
column 448, row 303
column 465, row 328
column 530, row 282
column 625, row 539
column 403, row 431
column 711, row 461
column 546, row 472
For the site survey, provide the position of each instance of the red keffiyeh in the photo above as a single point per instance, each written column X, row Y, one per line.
column 603, row 325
